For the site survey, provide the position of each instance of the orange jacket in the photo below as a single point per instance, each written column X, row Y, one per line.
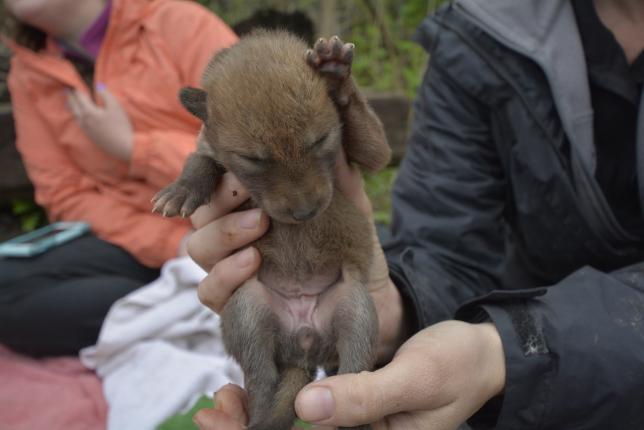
column 152, row 48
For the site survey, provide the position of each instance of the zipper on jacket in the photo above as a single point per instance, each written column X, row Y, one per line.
column 602, row 209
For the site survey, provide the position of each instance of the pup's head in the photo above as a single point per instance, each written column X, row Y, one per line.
column 268, row 119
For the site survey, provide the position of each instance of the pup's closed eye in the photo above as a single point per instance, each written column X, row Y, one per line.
column 253, row 159
column 318, row 142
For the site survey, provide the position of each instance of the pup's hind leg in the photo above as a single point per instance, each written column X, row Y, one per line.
column 282, row 416
column 249, row 332
column 356, row 327
column 364, row 138
column 193, row 188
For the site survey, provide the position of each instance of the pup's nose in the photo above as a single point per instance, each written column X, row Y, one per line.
column 303, row 214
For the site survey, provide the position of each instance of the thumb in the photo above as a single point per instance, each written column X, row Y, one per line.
column 108, row 98
column 349, row 400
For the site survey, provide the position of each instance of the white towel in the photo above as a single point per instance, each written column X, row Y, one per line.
column 159, row 350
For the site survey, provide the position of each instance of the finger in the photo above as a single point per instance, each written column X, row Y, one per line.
column 228, row 195
column 85, row 104
column 213, row 419
column 233, row 401
column 364, row 398
column 73, row 103
column 108, row 98
column 228, row 275
column 218, row 239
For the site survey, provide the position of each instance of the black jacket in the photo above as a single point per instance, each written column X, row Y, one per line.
column 496, row 215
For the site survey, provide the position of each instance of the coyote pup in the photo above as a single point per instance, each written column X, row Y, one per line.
column 276, row 114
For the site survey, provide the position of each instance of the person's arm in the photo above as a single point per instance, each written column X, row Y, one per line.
column 574, row 356
column 448, row 201
column 69, row 194
column 192, row 35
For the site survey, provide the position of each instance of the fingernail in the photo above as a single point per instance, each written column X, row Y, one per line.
column 100, row 87
column 315, row 404
column 250, row 219
column 245, row 257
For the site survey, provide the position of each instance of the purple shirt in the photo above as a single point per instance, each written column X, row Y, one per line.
column 92, row 39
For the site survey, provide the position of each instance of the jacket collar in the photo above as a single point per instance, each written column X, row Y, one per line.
column 546, row 32
column 122, row 31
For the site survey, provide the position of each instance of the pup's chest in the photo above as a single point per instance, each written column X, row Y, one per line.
column 301, row 252
column 339, row 237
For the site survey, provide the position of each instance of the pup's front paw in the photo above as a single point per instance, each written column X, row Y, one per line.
column 178, row 199
column 332, row 60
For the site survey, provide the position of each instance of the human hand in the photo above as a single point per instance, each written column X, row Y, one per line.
column 219, row 234
column 183, row 245
column 109, row 127
column 229, row 411
column 437, row 380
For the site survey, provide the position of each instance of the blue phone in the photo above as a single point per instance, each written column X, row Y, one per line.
column 39, row 241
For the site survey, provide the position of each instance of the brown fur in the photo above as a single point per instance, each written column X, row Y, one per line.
column 276, row 115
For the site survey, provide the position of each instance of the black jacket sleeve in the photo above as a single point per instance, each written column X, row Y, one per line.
column 574, row 351
column 574, row 356
column 447, row 242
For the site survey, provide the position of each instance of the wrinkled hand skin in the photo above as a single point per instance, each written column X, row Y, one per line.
column 461, row 367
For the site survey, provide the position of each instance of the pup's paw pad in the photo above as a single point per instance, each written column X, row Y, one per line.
column 176, row 199
column 331, row 57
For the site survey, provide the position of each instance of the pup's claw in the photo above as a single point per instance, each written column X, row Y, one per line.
column 346, row 54
column 160, row 200
column 176, row 199
column 190, row 205
column 311, row 58
column 336, row 46
column 170, row 200
column 331, row 58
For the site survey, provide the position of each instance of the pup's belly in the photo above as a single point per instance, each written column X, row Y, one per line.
column 301, row 305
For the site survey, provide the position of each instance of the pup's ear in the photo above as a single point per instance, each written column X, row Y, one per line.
column 194, row 100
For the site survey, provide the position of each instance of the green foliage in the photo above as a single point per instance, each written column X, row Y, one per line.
column 387, row 59
column 184, row 421
column 299, row 424
column 378, row 186
column 30, row 215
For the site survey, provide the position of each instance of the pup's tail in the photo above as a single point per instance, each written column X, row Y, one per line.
column 292, row 381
